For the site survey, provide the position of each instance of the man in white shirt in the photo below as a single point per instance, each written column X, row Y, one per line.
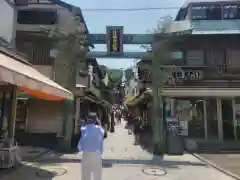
column 91, row 144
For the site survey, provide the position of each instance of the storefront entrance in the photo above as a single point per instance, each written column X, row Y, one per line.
column 212, row 113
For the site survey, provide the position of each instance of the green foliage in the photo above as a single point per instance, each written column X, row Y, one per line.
column 160, row 52
column 70, row 50
column 160, row 55
column 129, row 74
column 115, row 74
column 113, row 82
column 114, row 79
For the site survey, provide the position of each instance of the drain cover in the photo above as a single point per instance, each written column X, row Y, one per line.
column 154, row 172
column 51, row 172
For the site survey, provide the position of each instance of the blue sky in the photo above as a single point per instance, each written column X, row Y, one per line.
column 133, row 22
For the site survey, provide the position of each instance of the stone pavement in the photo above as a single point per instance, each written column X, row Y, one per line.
column 29, row 153
column 26, row 154
column 122, row 161
column 226, row 160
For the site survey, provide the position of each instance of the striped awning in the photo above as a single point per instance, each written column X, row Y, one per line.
column 30, row 80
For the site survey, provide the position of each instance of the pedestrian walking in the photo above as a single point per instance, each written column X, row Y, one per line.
column 130, row 123
column 112, row 129
column 119, row 116
column 91, row 145
column 137, row 130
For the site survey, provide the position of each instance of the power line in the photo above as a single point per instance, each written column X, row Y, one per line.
column 133, row 9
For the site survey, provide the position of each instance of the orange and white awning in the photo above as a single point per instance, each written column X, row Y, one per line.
column 30, row 80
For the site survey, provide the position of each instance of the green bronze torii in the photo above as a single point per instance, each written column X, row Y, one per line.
column 115, row 39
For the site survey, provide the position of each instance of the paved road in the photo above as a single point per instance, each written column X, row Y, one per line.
column 122, row 161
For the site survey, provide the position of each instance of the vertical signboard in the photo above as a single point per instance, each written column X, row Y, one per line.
column 115, row 40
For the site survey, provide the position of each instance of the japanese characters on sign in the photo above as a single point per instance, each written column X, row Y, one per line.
column 115, row 39
column 188, row 75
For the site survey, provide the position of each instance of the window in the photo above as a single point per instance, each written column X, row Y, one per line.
column 37, row 51
column 231, row 11
column 195, row 57
column 182, row 15
column 207, row 12
column 177, row 58
column 37, row 16
column 232, row 58
column 21, row 2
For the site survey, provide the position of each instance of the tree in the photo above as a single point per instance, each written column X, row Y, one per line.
column 69, row 49
column 129, row 73
column 160, row 55
column 115, row 74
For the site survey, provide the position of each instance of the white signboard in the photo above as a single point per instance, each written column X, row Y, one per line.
column 184, row 126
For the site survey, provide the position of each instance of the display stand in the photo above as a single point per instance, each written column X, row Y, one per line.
column 9, row 157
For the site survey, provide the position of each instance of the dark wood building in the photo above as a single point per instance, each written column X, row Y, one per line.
column 45, row 117
column 210, row 68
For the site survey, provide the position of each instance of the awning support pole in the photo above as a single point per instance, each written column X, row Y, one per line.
column 172, row 107
column 205, row 118
column 77, row 115
column 219, row 119
column 234, row 120
column 67, row 128
column 12, row 118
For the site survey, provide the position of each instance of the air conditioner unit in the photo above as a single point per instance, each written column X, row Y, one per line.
column 21, row 2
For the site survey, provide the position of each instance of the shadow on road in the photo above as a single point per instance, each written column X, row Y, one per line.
column 107, row 163
column 228, row 160
column 25, row 172
column 145, row 141
column 218, row 151
column 166, row 164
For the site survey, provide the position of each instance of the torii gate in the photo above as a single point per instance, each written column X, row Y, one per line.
column 115, row 38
